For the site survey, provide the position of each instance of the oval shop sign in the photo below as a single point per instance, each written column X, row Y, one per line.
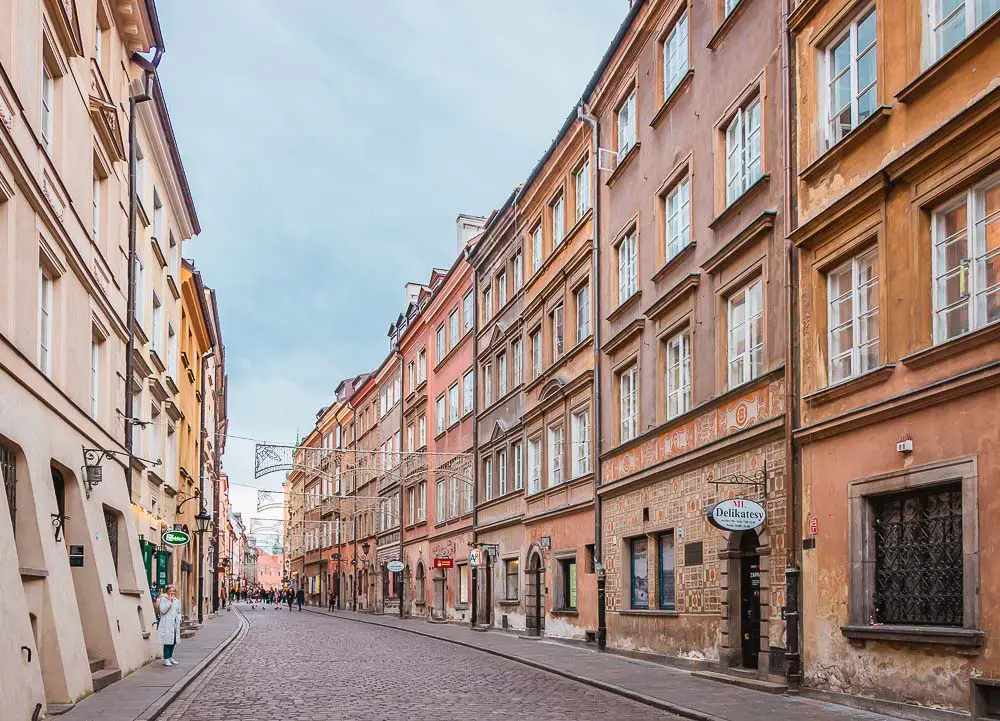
column 737, row 514
column 394, row 566
column 176, row 538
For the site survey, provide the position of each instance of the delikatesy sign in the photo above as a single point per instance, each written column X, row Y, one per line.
column 736, row 514
column 176, row 538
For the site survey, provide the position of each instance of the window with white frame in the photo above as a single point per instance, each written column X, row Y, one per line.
column 453, row 498
column 453, row 327
column 140, row 293
column 488, row 479
column 518, row 461
column 536, row 353
column 453, row 406
column 536, row 247
column 951, row 21
column 421, row 366
column 487, row 304
column 558, row 332
column 468, row 388
column 746, row 334
column 626, row 125
column 45, row 286
column 502, row 472
column 743, row 167
column 158, row 218
column 627, row 267
column 467, row 311
column 95, row 375
column 411, row 437
column 440, row 346
column 851, row 76
column 853, row 318
column 581, row 182
column 487, row 385
column 48, row 98
column 628, row 402
column 580, row 422
column 411, row 375
column 439, row 413
column 677, row 218
column 675, row 55
column 95, row 223
column 422, row 501
column 171, row 351
column 558, row 221
column 582, row 312
column 517, row 361
column 156, row 341
column 502, row 290
column 518, row 265
column 441, row 498
column 535, row 465
column 422, row 431
column 730, row 5
column 501, row 375
column 411, row 504
column 678, row 369
column 966, row 259
column 555, row 455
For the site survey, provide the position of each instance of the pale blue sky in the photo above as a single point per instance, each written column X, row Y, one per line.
column 330, row 145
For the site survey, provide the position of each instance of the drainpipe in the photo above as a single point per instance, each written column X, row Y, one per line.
column 793, row 510
column 201, row 488
column 402, row 477
column 595, row 257
column 149, row 77
column 475, row 432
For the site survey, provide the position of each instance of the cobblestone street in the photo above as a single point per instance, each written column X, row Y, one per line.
column 301, row 666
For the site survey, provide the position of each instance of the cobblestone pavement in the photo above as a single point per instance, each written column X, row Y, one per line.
column 302, row 667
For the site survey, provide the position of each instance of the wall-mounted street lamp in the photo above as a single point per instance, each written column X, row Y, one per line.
column 196, row 494
column 202, row 519
column 93, row 474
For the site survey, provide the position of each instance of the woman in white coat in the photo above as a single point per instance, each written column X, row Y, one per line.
column 168, row 630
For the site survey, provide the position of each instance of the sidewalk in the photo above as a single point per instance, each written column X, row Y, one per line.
column 664, row 687
column 144, row 693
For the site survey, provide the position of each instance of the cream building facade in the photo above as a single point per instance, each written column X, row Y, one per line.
column 75, row 589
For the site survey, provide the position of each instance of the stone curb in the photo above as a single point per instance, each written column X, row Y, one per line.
column 155, row 709
column 683, row 711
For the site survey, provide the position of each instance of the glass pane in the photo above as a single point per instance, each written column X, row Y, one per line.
column 986, row 8
column 841, row 339
column 989, row 306
column 868, row 328
column 866, row 104
column 667, row 571
column 840, row 368
column 952, row 31
column 840, row 91
column 840, row 57
column 840, row 281
column 951, row 253
column 952, row 289
column 869, row 357
column 841, row 311
column 640, row 574
column 956, row 321
column 866, row 31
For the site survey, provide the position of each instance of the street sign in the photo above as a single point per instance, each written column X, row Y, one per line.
column 176, row 538
column 736, row 514
column 813, row 526
column 394, row 566
column 476, row 557
column 444, row 563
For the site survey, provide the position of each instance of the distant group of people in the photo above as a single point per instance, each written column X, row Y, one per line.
column 273, row 597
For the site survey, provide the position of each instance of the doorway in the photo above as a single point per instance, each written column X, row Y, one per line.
column 749, row 599
column 534, row 597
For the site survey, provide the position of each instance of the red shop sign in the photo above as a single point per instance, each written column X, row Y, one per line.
column 444, row 563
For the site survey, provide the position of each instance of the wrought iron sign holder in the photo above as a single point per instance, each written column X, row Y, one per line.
column 757, row 479
column 93, row 474
column 59, row 523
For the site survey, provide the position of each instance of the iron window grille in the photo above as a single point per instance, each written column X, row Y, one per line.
column 8, row 471
column 111, row 522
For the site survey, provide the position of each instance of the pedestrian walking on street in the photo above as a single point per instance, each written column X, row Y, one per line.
column 168, row 628
column 299, row 598
column 288, row 597
column 333, row 602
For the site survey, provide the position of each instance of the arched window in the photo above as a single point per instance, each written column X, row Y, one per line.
column 420, row 583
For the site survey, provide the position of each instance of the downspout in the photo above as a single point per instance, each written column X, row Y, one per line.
column 201, row 488
column 595, row 257
column 793, row 506
column 402, row 476
column 149, row 76
column 475, row 432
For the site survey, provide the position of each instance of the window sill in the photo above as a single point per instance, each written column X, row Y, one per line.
column 671, row 99
column 509, row 602
column 137, row 592
column 675, row 261
column 873, row 122
column 938, row 635
column 662, row 612
column 624, row 305
column 172, row 284
column 419, row 604
column 726, row 26
column 564, row 612
column 953, row 347
column 741, row 201
column 623, row 164
column 851, row 385
column 932, row 76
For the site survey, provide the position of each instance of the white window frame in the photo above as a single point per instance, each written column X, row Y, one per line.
column 743, row 159
column 422, row 504
column 95, row 377
column 834, row 130
column 453, row 405
column 488, row 479
column 440, row 343
column 678, row 374
column 502, row 289
column 502, row 473
column 580, row 423
column 534, row 465
column 442, row 501
column 582, row 296
column 501, row 375
column 421, row 366
column 974, row 16
column 487, row 304
column 95, row 224
column 453, row 327
column 422, row 431
column 628, row 254
column 628, row 402
column 558, row 332
column 518, row 270
column 439, row 412
column 468, row 391
column 536, row 354
column 677, row 218
column 487, row 385
column 737, row 327
column 537, row 249
column 675, row 55
column 625, row 125
column 856, row 355
column 47, row 104
column 156, row 342
column 517, row 359
column 581, row 180
column 468, row 311
column 556, row 448
column 518, row 461
column 558, row 209
column 46, row 283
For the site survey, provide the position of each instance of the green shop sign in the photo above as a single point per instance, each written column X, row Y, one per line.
column 176, row 538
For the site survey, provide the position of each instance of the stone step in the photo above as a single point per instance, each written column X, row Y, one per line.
column 96, row 664
column 103, row 679
column 187, row 634
column 754, row 684
column 58, row 709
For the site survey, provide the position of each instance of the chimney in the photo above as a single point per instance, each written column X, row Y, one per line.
column 469, row 226
column 411, row 291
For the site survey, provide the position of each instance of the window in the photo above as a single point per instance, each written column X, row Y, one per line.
column 518, row 264
column 536, row 248
column 439, row 412
column 488, row 478
column 453, row 327
column 463, row 583
column 440, row 344
column 99, row 45
column 510, row 572
column 555, row 455
column 411, row 437
column 517, row 360
column 639, row 566
column 582, row 313
column 627, row 268
column 467, row 497
column 453, row 407
column 518, row 467
column 628, row 401
column 558, row 221
column 140, row 293
column 743, row 150
column 95, row 376
column 502, row 290
column 411, row 504
column 45, row 283
column 487, row 384
column 626, row 126
column 487, row 305
column 158, row 218
column 675, row 55
column 966, row 275
column 665, row 591
column 558, row 333
column 140, row 172
column 467, row 311
column 851, row 77
column 422, row 501
column 95, row 223
column 157, row 342
column 581, row 442
column 581, row 181
column 746, row 334
column 677, row 218
column 48, row 94
column 411, row 375
column 174, row 254
column 111, row 524
column 534, row 465
column 567, row 574
column 678, row 367
column 536, row 353
column 421, row 366
column 422, row 431
column 468, row 388
column 440, row 501
column 501, row 375
column 454, row 498
column 730, row 6
column 953, row 20
column 502, row 472
column 853, row 321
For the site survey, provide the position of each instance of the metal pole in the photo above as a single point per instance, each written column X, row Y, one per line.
column 475, row 433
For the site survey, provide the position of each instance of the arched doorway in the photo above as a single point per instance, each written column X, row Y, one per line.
column 534, row 596
column 420, row 585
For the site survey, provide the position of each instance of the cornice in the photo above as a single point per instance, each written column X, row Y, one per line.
column 763, row 223
column 682, row 290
